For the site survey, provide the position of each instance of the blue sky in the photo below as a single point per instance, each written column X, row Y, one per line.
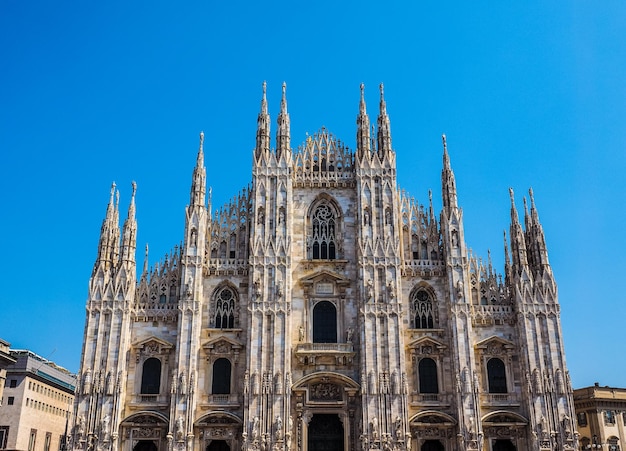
column 529, row 94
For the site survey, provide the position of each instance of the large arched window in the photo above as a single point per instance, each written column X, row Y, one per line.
column 221, row 377
column 427, row 369
column 496, row 375
column 324, row 323
column 323, row 233
column 423, row 313
column 225, row 309
column 151, row 377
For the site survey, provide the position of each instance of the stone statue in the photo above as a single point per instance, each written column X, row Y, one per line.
column 349, row 333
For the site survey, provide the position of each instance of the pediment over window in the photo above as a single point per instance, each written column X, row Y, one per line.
column 495, row 346
column 222, row 346
column 219, row 419
column 324, row 283
column 427, row 346
column 432, row 418
column 503, row 417
column 152, row 346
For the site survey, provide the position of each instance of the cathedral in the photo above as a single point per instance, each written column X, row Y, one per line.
column 323, row 309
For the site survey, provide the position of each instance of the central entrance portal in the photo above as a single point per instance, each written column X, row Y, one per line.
column 325, row 433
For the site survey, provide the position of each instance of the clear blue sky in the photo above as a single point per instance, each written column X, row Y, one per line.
column 528, row 93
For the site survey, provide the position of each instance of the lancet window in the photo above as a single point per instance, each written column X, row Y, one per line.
column 423, row 310
column 221, row 377
column 496, row 376
column 428, row 382
column 151, row 377
column 323, row 233
column 225, row 301
column 324, row 323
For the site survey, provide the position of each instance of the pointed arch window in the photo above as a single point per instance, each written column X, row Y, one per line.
column 323, row 233
column 151, row 377
column 324, row 323
column 423, row 312
column 496, row 376
column 221, row 377
column 225, row 309
column 427, row 369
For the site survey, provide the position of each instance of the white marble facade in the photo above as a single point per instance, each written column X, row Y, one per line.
column 323, row 309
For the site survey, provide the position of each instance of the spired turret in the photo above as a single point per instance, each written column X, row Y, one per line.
column 384, row 127
column 363, row 139
column 263, row 129
column 108, row 246
column 283, row 135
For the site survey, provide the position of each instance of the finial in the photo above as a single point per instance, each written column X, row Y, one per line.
column 201, row 138
column 382, row 91
column 430, row 196
column 525, row 205
column 512, row 196
column 112, row 192
column 284, row 88
column 443, row 139
column 362, row 90
column 134, row 184
column 264, row 89
column 532, row 197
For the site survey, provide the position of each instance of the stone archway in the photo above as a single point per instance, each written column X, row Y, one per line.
column 218, row 431
column 503, row 445
column 144, row 431
column 326, row 407
column 218, row 445
column 325, row 433
column 145, row 445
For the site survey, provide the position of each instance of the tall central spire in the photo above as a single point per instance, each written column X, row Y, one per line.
column 384, row 128
column 198, row 182
column 263, row 127
column 283, row 135
column 129, row 240
column 448, row 184
column 363, row 129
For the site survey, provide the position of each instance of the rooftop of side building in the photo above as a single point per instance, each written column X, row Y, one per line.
column 31, row 364
column 597, row 392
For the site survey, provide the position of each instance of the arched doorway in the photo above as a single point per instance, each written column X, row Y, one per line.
column 325, row 433
column 145, row 445
column 503, row 445
column 218, row 445
column 432, row 445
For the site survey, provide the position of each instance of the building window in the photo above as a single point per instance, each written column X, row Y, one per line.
column 423, row 314
column 225, row 309
column 221, row 377
column 427, row 369
column 323, row 233
column 496, row 376
column 10, row 400
column 609, row 417
column 151, row 377
column 582, row 419
column 46, row 445
column 4, row 436
column 613, row 443
column 32, row 439
column 324, row 323
column 13, row 383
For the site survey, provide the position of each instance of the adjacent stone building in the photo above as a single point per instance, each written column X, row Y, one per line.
column 601, row 417
column 5, row 361
column 323, row 309
column 37, row 404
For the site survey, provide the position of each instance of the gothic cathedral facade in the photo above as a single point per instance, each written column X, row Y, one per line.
column 323, row 309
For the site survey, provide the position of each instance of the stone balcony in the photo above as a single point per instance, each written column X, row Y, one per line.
column 325, row 353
